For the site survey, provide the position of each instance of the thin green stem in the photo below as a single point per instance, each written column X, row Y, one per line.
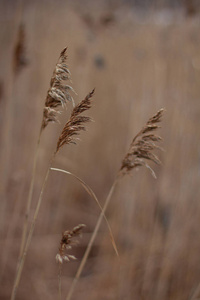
column 30, row 234
column 90, row 244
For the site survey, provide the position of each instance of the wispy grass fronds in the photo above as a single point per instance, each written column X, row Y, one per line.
column 140, row 149
column 59, row 92
column 57, row 95
column 76, row 123
column 69, row 238
column 50, row 115
column 92, row 194
column 70, row 130
column 84, row 105
column 142, row 146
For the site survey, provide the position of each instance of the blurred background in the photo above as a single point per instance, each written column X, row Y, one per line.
column 140, row 56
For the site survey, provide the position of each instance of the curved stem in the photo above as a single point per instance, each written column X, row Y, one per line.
column 92, row 194
column 30, row 234
column 89, row 246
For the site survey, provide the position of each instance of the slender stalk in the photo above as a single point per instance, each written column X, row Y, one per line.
column 30, row 194
column 195, row 294
column 89, row 246
column 92, row 194
column 59, row 281
column 30, row 234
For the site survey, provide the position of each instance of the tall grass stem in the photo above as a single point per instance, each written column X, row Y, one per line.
column 92, row 239
column 92, row 194
column 30, row 234
column 30, row 194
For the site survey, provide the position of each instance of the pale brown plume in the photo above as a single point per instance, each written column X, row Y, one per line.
column 76, row 122
column 59, row 92
column 66, row 243
column 142, row 146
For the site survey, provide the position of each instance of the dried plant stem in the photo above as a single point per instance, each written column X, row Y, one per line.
column 89, row 246
column 30, row 194
column 30, row 234
column 59, row 281
column 195, row 294
column 92, row 194
column 141, row 149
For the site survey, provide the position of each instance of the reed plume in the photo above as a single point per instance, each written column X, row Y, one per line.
column 140, row 150
column 76, row 122
column 69, row 238
column 59, row 92
column 57, row 95
column 66, row 243
column 142, row 147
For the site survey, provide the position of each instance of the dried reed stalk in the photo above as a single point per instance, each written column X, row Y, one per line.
column 67, row 136
column 67, row 241
column 92, row 194
column 196, row 293
column 19, row 62
column 139, row 151
column 57, row 96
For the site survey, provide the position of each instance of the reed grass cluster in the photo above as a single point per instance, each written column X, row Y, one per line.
column 141, row 150
column 56, row 96
column 154, row 222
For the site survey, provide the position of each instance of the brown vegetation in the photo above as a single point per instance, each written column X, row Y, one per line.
column 137, row 65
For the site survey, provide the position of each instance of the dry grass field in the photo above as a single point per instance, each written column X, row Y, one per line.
column 137, row 63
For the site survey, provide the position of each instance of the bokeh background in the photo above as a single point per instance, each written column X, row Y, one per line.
column 140, row 56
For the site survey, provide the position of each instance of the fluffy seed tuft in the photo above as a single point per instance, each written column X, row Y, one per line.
column 142, row 146
column 58, row 93
column 76, row 123
column 67, row 240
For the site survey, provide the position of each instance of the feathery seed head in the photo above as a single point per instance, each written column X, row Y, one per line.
column 67, row 241
column 49, row 115
column 84, row 105
column 142, row 146
column 76, row 123
column 58, row 93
